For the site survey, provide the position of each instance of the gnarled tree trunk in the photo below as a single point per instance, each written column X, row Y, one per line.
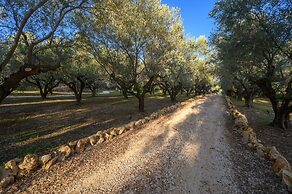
column 140, row 93
column 141, row 99
column 77, row 90
column 78, row 97
column 248, row 100
column 12, row 82
column 125, row 93
column 173, row 92
column 281, row 111
column 44, row 93
column 45, row 85
column 93, row 92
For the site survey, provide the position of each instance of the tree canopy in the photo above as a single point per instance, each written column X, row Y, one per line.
column 253, row 43
column 136, row 44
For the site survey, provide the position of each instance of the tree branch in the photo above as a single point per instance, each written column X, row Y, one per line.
column 19, row 32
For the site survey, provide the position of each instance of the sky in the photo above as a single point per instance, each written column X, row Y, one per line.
column 195, row 15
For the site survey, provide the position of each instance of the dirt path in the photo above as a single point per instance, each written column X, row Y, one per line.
column 185, row 152
column 178, row 154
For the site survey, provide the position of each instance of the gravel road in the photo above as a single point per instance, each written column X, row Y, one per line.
column 187, row 151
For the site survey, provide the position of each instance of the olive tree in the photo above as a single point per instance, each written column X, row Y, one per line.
column 27, row 30
column 127, row 40
column 79, row 70
column 45, row 82
column 175, row 58
column 236, row 78
column 256, row 36
column 199, row 77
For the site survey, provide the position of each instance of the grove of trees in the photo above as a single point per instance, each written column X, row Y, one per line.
column 138, row 45
column 254, row 51
column 32, row 34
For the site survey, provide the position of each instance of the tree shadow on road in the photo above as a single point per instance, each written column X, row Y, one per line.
column 184, row 147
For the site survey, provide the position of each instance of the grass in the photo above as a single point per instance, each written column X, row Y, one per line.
column 262, row 104
column 21, row 102
column 27, row 133
column 31, row 125
column 259, row 118
column 11, row 121
column 259, row 104
column 262, row 109
column 25, row 92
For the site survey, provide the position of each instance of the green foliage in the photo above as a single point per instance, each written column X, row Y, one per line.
column 134, row 43
column 142, row 43
column 252, row 41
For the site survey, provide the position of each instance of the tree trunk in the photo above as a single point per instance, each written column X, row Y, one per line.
column 12, row 82
column 152, row 91
column 51, row 87
column 173, row 98
column 78, row 98
column 229, row 93
column 238, row 94
column 172, row 94
column 44, row 94
column 266, row 87
column 164, row 92
column 287, row 121
column 82, row 86
column 141, row 103
column 278, row 118
column 78, row 95
column 77, row 90
column 140, row 94
column 44, row 91
column 125, row 93
column 248, row 100
column 93, row 92
column 281, row 118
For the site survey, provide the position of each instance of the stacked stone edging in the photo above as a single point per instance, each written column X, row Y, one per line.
column 280, row 165
column 18, row 168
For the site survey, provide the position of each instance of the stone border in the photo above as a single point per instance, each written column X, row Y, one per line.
column 19, row 168
column 280, row 165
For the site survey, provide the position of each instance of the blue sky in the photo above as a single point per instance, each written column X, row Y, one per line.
column 195, row 16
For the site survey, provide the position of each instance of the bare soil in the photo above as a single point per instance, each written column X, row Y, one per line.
column 192, row 150
column 36, row 126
